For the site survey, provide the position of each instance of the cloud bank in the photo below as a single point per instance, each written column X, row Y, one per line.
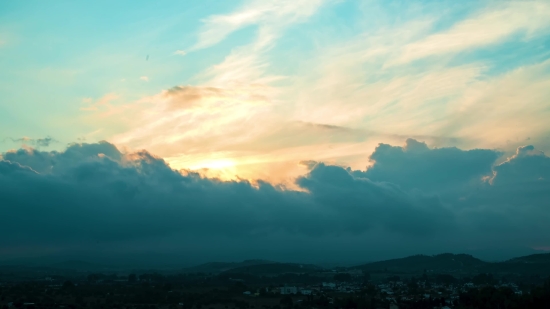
column 93, row 199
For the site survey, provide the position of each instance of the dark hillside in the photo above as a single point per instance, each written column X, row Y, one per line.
column 535, row 264
column 217, row 267
column 276, row 269
column 446, row 262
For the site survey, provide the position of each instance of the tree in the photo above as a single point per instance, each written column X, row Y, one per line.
column 286, row 301
column 342, row 277
column 413, row 287
column 366, row 277
column 68, row 284
column 132, row 278
column 445, row 279
column 483, row 279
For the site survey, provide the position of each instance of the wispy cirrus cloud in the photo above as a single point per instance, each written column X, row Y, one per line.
column 265, row 14
column 102, row 104
column 494, row 24
column 234, row 97
column 192, row 117
column 239, row 116
column 357, row 83
column 504, row 111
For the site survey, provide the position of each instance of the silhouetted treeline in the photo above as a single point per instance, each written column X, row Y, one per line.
column 198, row 291
column 491, row 297
column 223, row 278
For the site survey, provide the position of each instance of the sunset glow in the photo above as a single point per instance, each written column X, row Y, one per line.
column 377, row 127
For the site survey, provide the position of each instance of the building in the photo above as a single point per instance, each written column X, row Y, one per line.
column 288, row 290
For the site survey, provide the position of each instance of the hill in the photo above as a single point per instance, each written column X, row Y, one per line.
column 79, row 265
column 534, row 264
column 543, row 258
column 446, row 262
column 218, row 267
column 275, row 269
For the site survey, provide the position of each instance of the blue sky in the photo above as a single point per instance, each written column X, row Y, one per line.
column 314, row 103
column 390, row 69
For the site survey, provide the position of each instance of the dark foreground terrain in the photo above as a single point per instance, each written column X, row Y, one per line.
column 441, row 281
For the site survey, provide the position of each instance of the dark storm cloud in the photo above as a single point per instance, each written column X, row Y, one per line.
column 56, row 162
column 94, row 193
column 363, row 202
column 416, row 166
column 515, row 200
column 527, row 166
column 102, row 198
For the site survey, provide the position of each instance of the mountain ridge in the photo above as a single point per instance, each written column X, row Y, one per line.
column 538, row 263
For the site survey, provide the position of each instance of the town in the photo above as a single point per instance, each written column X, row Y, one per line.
column 265, row 285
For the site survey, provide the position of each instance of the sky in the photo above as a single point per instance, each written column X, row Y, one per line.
column 292, row 130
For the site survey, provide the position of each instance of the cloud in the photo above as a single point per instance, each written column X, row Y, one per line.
column 139, row 179
column 353, row 82
column 94, row 193
column 252, row 108
column 144, row 78
column 38, row 142
column 192, row 117
column 333, row 97
column 473, row 116
column 56, row 162
column 263, row 13
column 416, row 166
column 186, row 96
column 489, row 27
column 102, row 104
column 180, row 52
column 364, row 202
column 249, row 64
column 511, row 205
column 182, row 96
column 528, row 166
